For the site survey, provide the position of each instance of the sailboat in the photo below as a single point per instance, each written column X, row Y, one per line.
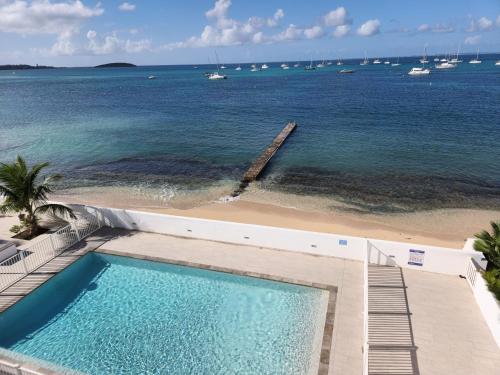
column 216, row 75
column 476, row 60
column 264, row 66
column 238, row 68
column 424, row 60
column 387, row 62
column 397, row 63
column 321, row 64
column 254, row 68
column 285, row 66
column 296, row 65
column 376, row 61
column 310, row 66
column 445, row 65
column 365, row 61
column 455, row 60
column 497, row 63
column 339, row 62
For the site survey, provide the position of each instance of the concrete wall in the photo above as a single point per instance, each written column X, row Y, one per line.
column 428, row 258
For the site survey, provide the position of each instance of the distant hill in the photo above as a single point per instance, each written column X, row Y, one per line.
column 24, row 67
column 116, row 65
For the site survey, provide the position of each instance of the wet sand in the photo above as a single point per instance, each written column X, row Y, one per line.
column 445, row 227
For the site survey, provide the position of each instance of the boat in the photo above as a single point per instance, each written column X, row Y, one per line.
column 376, row 61
column 310, row 66
column 497, row 63
column 329, row 63
column 296, row 65
column 456, row 60
column 387, row 62
column 419, row 72
column 195, row 67
column 365, row 61
column 476, row 60
column 264, row 67
column 238, row 68
column 321, row 65
column 216, row 76
column 152, row 77
column 339, row 63
column 223, row 67
column 436, row 59
column 285, row 66
column 397, row 63
column 445, row 65
column 424, row 60
column 444, row 60
column 346, row 71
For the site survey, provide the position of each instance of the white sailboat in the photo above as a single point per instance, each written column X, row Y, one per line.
column 376, row 61
column 476, row 60
column 296, row 65
column 436, row 59
column 216, row 75
column 264, row 66
column 238, row 68
column 254, row 68
column 445, row 65
column 456, row 60
column 310, row 66
column 285, row 66
column 365, row 61
column 320, row 65
column 419, row 72
column 424, row 60
column 397, row 63
column 497, row 63
column 339, row 62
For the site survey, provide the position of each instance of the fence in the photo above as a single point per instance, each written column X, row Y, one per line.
column 487, row 302
column 12, row 363
column 37, row 254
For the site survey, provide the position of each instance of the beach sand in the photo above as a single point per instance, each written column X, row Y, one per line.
column 443, row 227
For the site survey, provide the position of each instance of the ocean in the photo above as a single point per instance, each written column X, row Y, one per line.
column 377, row 140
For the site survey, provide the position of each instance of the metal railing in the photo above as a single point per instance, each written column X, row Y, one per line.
column 12, row 363
column 37, row 254
column 366, row 345
column 472, row 272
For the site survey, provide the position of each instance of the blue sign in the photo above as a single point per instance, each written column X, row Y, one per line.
column 343, row 242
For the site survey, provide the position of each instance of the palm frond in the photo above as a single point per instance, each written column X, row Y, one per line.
column 55, row 209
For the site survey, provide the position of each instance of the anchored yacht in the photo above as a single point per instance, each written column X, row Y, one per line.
column 419, row 72
column 476, row 60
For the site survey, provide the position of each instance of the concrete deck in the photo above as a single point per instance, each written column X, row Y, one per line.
column 450, row 333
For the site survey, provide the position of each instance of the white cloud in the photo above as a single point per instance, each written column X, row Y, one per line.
column 225, row 31
column 437, row 28
column 314, row 32
column 126, row 7
column 292, row 32
column 337, row 17
column 424, row 28
column 133, row 31
column 472, row 40
column 369, row 28
column 341, row 31
column 44, row 16
column 485, row 24
column 112, row 44
column 274, row 20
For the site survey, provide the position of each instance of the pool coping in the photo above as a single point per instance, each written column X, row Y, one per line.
column 326, row 343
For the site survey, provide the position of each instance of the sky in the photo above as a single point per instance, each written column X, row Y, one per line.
column 164, row 32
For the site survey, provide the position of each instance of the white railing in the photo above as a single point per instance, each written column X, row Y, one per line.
column 486, row 300
column 366, row 345
column 12, row 363
column 37, row 254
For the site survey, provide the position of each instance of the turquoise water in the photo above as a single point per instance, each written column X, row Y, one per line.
column 378, row 138
column 115, row 315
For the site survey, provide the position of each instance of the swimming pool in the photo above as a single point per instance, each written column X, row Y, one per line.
column 109, row 314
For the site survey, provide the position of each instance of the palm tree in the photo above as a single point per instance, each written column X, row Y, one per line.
column 25, row 192
column 489, row 244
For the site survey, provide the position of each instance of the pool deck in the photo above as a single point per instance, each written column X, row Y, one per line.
column 450, row 333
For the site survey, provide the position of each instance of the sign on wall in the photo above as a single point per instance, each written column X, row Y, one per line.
column 416, row 257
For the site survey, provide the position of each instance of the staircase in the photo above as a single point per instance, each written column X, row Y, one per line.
column 391, row 346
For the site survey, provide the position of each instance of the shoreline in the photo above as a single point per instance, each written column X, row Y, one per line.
column 440, row 227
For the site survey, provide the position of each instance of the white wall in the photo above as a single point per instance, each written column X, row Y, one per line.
column 435, row 259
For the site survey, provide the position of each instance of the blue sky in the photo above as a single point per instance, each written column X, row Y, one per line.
column 76, row 33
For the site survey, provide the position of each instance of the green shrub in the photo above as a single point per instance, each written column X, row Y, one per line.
column 492, row 278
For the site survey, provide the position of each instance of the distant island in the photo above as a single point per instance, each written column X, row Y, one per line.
column 24, row 67
column 116, row 65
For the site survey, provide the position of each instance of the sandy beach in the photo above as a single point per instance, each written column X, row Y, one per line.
column 444, row 227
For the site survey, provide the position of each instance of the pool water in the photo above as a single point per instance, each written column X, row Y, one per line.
column 107, row 314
